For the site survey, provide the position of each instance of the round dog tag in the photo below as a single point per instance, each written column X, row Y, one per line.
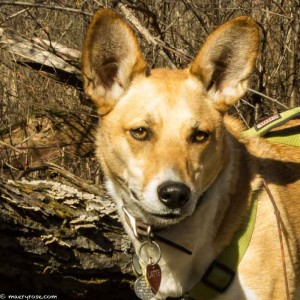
column 142, row 289
column 153, row 273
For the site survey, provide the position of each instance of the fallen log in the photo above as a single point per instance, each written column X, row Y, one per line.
column 56, row 239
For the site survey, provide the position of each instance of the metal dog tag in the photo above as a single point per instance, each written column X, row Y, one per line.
column 142, row 289
column 153, row 273
column 136, row 266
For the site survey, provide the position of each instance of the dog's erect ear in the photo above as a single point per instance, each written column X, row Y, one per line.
column 111, row 58
column 226, row 61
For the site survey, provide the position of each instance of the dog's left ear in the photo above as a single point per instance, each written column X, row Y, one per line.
column 226, row 61
column 111, row 58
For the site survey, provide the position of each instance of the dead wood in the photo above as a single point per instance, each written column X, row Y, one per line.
column 59, row 240
column 57, row 61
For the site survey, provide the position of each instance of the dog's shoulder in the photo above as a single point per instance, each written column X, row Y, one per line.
column 268, row 153
column 279, row 165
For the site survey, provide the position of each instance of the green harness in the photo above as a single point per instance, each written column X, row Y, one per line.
column 222, row 270
column 288, row 136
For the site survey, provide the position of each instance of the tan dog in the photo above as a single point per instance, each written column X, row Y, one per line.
column 173, row 158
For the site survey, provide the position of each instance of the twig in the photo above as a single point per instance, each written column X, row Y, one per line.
column 29, row 170
column 14, row 15
column 241, row 116
column 18, row 150
column 74, row 179
column 201, row 21
column 274, row 13
column 247, row 103
column 281, row 59
column 146, row 34
column 64, row 173
column 151, row 39
column 52, row 7
column 269, row 98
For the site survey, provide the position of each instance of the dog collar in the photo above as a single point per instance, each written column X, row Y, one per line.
column 221, row 272
column 142, row 232
column 148, row 271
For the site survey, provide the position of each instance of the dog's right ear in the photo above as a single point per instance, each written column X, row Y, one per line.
column 111, row 58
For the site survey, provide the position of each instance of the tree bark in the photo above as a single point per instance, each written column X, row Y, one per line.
column 58, row 240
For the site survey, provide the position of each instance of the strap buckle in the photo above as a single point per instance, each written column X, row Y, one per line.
column 218, row 277
column 140, row 230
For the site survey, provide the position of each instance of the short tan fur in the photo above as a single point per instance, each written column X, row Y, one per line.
column 168, row 130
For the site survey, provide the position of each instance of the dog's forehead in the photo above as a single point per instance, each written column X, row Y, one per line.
column 166, row 85
column 168, row 92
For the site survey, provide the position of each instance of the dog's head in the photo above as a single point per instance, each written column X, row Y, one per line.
column 161, row 140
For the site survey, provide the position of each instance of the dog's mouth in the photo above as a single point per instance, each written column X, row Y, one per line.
column 159, row 220
column 167, row 216
column 162, row 218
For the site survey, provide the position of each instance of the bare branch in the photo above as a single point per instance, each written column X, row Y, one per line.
column 33, row 51
column 15, row 15
column 52, row 7
column 269, row 98
column 150, row 39
column 11, row 147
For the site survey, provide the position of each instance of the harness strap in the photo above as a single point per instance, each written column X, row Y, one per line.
column 287, row 136
column 222, row 270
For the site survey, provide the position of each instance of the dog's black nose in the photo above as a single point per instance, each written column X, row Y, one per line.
column 173, row 194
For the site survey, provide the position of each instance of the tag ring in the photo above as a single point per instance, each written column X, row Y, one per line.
column 158, row 250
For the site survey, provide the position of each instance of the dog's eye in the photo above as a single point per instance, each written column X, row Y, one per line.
column 140, row 134
column 199, row 136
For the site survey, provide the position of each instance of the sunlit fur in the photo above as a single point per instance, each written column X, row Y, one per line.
column 221, row 171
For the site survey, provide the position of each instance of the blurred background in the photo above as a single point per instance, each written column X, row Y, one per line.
column 44, row 114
